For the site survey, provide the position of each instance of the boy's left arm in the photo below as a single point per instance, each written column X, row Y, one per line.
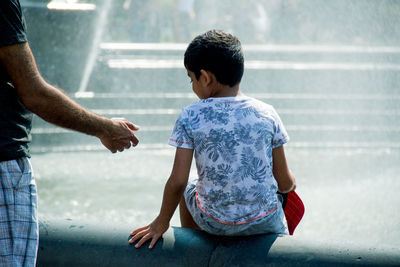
column 173, row 191
column 283, row 175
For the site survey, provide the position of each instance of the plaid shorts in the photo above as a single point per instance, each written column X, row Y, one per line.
column 19, row 233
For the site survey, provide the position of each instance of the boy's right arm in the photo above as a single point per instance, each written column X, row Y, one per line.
column 283, row 175
column 173, row 191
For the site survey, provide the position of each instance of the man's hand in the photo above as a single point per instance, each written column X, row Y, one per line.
column 153, row 231
column 119, row 135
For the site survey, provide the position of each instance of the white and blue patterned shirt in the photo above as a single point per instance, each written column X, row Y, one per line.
column 232, row 138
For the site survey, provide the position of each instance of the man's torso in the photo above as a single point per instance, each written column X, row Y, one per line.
column 15, row 119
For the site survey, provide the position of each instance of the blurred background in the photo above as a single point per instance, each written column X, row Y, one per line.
column 330, row 68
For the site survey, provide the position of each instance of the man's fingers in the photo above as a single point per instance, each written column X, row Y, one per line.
column 125, row 144
column 134, row 140
column 132, row 126
column 132, row 136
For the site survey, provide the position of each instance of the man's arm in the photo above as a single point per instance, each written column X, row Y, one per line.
column 54, row 106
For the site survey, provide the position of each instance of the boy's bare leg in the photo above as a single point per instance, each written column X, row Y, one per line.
column 185, row 216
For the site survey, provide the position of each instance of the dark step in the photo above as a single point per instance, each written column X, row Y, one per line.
column 339, row 81
column 320, row 116
column 356, row 118
column 282, row 101
column 297, row 133
column 305, row 53
column 342, row 147
column 346, row 137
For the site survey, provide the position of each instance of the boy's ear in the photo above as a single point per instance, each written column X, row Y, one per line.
column 206, row 77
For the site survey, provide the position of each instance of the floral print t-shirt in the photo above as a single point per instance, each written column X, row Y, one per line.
column 232, row 138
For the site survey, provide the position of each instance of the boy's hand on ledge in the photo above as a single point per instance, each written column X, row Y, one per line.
column 119, row 135
column 152, row 231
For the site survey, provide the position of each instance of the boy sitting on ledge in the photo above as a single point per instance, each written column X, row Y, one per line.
column 237, row 143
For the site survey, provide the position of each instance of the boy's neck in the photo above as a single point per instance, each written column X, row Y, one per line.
column 226, row 91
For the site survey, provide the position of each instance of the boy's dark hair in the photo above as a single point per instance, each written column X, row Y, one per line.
column 218, row 52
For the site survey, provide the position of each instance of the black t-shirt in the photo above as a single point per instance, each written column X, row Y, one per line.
column 15, row 119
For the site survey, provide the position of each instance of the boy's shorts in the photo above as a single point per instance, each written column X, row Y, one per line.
column 272, row 223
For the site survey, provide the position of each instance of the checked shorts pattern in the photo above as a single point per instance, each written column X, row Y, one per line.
column 18, row 214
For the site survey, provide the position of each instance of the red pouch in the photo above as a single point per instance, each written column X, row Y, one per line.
column 293, row 208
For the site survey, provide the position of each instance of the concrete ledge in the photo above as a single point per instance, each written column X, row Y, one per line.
column 69, row 243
